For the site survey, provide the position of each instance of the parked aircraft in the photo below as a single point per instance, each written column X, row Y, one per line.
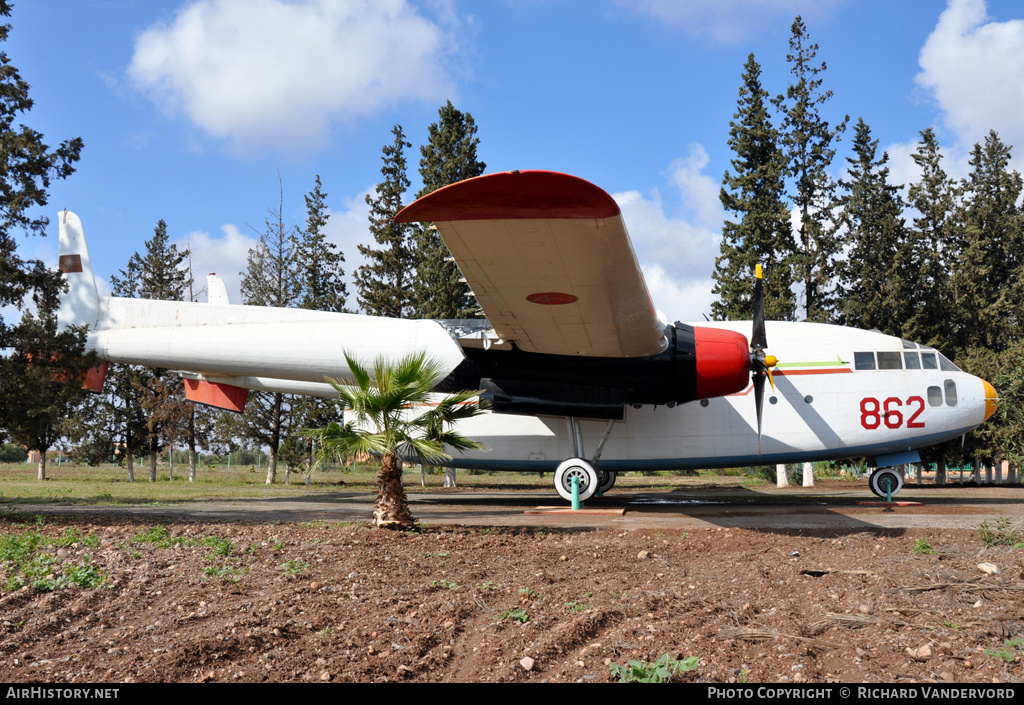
column 573, row 354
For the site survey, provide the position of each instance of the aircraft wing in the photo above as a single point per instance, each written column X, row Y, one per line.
column 550, row 262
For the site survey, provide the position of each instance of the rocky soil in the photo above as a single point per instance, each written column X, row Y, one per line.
column 336, row 602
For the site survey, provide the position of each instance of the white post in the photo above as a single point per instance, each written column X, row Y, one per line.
column 940, row 473
column 999, row 473
column 976, row 471
column 780, row 476
column 808, row 474
column 449, row 477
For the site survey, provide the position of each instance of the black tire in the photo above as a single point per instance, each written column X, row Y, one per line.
column 886, row 478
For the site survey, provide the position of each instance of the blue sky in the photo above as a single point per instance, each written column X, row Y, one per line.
column 190, row 110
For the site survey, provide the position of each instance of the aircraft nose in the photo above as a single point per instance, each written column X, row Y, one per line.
column 991, row 399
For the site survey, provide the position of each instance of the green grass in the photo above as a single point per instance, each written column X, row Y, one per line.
column 923, row 546
column 1004, row 533
column 661, row 671
column 294, row 566
column 107, row 485
column 26, row 559
column 516, row 614
column 1009, row 652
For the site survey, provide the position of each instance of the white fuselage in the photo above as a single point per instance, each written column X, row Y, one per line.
column 821, row 408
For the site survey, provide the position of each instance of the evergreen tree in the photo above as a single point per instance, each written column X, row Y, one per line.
column 985, row 280
column 385, row 282
column 808, row 139
column 163, row 275
column 448, row 157
column 985, row 288
column 934, row 198
column 321, row 274
column 272, row 278
column 42, row 383
column 323, row 289
column 880, row 271
column 28, row 168
column 754, row 192
column 115, row 425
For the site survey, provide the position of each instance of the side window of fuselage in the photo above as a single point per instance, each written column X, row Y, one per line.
column 864, row 361
column 890, row 361
column 950, row 387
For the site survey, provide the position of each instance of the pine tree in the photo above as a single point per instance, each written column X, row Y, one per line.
column 985, row 282
column 271, row 278
column 879, row 274
column 163, row 275
column 322, row 276
column 808, row 139
column 986, row 292
column 115, row 427
column 934, row 198
column 754, row 192
column 323, row 289
column 385, row 283
column 42, row 383
column 448, row 157
column 28, row 168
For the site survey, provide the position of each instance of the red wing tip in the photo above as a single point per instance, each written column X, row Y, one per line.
column 513, row 195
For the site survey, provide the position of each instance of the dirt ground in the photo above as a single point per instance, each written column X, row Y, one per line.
column 318, row 600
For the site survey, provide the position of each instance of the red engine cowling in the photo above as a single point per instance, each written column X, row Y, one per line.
column 723, row 362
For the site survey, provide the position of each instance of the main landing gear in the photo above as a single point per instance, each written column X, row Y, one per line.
column 885, row 482
column 591, row 479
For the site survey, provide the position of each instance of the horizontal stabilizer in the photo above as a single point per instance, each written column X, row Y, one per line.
column 221, row 396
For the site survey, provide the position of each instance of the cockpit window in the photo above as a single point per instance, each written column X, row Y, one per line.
column 946, row 366
column 909, row 345
column 912, row 360
column 928, row 361
column 890, row 361
column 864, row 361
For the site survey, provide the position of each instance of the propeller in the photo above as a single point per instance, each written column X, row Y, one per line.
column 761, row 364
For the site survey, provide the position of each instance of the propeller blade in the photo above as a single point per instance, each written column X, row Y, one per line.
column 758, row 340
column 758, row 403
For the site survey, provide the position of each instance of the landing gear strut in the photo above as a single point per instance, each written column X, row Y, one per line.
column 885, row 483
column 591, row 480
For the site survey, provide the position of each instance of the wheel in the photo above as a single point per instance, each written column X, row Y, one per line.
column 605, row 481
column 579, row 468
column 882, row 480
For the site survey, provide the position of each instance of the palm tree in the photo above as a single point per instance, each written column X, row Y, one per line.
column 384, row 421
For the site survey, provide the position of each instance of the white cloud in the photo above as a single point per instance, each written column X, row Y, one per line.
column 700, row 192
column 677, row 254
column 686, row 301
column 973, row 68
column 348, row 228
column 226, row 255
column 728, row 21
column 272, row 73
column 902, row 169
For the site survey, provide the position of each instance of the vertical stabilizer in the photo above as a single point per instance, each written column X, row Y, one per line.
column 80, row 305
column 216, row 290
